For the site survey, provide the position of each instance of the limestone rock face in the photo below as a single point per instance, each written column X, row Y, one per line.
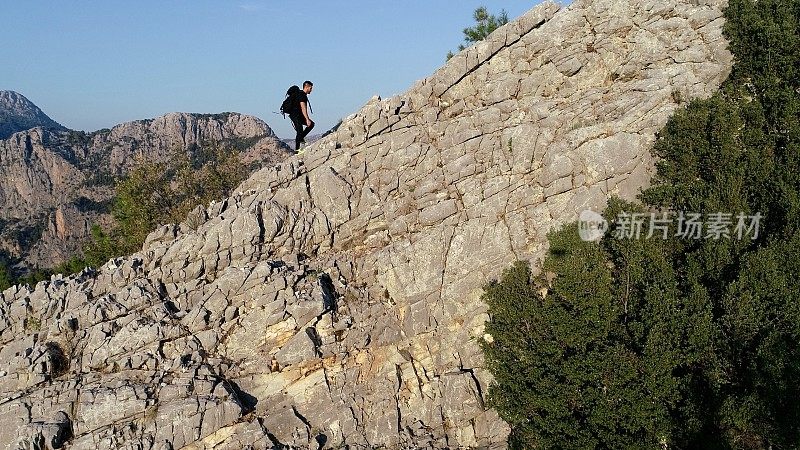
column 164, row 134
column 17, row 113
column 335, row 300
column 54, row 185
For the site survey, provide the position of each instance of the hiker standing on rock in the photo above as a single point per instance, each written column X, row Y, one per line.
column 298, row 107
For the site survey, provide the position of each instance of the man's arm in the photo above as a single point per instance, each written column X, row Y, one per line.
column 305, row 113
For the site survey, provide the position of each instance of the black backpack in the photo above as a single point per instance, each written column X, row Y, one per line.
column 290, row 104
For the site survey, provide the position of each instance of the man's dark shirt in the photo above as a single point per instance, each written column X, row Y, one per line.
column 301, row 97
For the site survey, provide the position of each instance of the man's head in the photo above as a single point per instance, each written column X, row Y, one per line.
column 308, row 87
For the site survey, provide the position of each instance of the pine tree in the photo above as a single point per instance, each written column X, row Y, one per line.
column 485, row 24
column 675, row 343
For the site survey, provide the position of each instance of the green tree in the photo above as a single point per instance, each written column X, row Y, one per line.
column 143, row 201
column 159, row 193
column 485, row 23
column 602, row 349
column 709, row 329
column 6, row 278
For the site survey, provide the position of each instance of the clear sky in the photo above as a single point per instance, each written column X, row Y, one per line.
column 93, row 64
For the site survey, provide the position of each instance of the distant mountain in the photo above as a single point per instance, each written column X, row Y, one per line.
column 311, row 138
column 56, row 183
column 17, row 113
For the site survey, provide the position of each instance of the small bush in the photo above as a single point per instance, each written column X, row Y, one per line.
column 33, row 323
column 59, row 361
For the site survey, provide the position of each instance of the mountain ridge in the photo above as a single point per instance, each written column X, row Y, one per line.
column 17, row 113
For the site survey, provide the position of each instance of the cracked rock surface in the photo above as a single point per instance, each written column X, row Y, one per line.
column 334, row 301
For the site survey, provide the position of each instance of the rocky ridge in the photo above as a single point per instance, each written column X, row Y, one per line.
column 54, row 185
column 335, row 300
column 17, row 113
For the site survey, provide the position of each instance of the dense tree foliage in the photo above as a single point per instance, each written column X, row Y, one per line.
column 679, row 343
column 6, row 278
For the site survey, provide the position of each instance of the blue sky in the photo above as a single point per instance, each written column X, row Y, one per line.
column 93, row 64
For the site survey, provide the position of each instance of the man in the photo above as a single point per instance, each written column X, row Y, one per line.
column 299, row 115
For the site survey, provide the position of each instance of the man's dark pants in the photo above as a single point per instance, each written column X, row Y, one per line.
column 299, row 123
